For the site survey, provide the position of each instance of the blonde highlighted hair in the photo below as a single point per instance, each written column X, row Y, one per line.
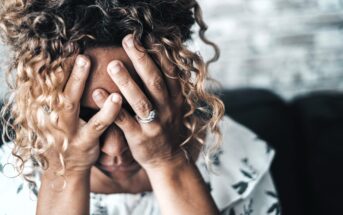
column 44, row 34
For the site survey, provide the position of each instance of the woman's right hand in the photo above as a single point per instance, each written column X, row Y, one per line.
column 83, row 146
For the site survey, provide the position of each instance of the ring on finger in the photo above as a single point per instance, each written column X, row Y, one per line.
column 151, row 117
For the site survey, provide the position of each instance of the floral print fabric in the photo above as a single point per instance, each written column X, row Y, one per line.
column 239, row 182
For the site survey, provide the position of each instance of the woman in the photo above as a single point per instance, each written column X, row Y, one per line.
column 110, row 104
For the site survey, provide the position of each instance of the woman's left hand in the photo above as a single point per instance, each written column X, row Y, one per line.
column 157, row 142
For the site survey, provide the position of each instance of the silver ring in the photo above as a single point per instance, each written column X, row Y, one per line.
column 150, row 118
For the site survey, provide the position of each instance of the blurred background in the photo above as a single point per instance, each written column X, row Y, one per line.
column 289, row 46
column 281, row 68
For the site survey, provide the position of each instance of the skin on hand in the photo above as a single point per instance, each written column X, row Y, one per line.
column 116, row 153
column 83, row 137
column 155, row 143
column 108, row 175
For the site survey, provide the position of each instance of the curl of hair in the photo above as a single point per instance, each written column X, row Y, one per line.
column 43, row 34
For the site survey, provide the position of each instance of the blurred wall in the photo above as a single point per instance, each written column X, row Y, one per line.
column 289, row 46
column 3, row 65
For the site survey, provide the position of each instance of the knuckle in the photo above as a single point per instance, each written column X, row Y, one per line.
column 78, row 74
column 69, row 106
column 141, row 56
column 99, row 125
column 157, row 83
column 142, row 106
column 155, row 131
column 76, row 77
column 123, row 81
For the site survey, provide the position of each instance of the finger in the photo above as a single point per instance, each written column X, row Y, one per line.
column 130, row 90
column 147, row 70
column 126, row 123
column 99, row 96
column 77, row 80
column 104, row 118
column 67, row 67
column 171, row 77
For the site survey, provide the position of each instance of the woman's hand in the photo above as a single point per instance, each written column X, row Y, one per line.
column 83, row 146
column 82, row 151
column 177, row 183
column 155, row 143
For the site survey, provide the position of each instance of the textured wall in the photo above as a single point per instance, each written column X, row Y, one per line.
column 3, row 64
column 290, row 46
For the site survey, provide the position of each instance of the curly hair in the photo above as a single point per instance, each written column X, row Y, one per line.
column 44, row 34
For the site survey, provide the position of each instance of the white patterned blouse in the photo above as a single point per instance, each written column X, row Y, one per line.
column 241, row 184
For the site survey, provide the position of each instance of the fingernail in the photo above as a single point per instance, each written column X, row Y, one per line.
column 97, row 95
column 129, row 42
column 116, row 98
column 114, row 67
column 80, row 61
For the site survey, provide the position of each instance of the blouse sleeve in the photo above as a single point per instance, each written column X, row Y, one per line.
column 262, row 200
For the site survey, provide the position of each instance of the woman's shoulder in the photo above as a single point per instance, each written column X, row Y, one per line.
column 238, row 165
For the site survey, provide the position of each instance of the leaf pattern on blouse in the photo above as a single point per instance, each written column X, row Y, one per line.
column 240, row 187
column 216, row 157
column 275, row 208
column 243, row 187
column 248, row 208
column 20, row 188
column 249, row 173
column 99, row 209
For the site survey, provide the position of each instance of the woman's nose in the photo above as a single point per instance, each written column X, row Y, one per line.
column 114, row 144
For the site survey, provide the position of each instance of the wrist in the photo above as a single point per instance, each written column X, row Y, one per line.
column 51, row 175
column 171, row 168
column 65, row 185
column 174, row 184
column 58, row 193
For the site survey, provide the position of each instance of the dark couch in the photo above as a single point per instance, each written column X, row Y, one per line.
column 307, row 133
